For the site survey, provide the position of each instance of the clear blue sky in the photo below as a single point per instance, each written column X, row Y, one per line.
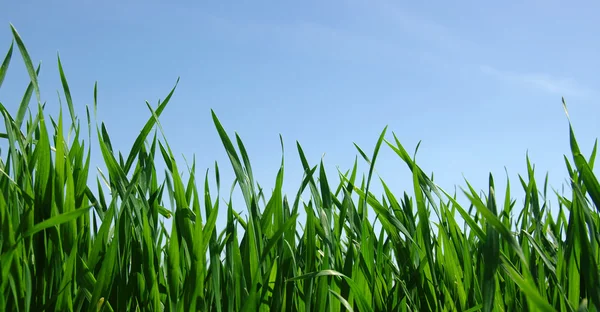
column 479, row 83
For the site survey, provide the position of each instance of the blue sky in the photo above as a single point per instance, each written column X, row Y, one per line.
column 479, row 83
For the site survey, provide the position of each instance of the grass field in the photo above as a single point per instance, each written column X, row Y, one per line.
column 68, row 245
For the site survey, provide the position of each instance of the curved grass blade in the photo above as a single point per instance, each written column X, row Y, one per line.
column 67, row 91
column 139, row 141
column 5, row 63
column 28, row 63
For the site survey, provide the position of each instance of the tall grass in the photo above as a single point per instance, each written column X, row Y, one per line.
column 67, row 244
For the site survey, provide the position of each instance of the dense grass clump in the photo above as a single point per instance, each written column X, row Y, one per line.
column 67, row 244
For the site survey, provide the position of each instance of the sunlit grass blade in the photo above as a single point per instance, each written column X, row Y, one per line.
column 139, row 141
column 28, row 63
column 240, row 174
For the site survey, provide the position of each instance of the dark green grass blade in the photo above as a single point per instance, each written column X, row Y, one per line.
column 491, row 254
column 67, row 91
column 25, row 104
column 5, row 63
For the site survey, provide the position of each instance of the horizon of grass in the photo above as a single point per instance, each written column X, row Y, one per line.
column 68, row 245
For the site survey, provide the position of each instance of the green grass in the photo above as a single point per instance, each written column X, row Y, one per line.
column 69, row 245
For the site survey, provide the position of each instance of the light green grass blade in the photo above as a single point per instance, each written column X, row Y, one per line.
column 241, row 176
column 139, row 141
column 527, row 287
column 28, row 63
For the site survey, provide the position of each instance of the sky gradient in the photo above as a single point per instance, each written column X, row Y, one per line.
column 478, row 83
